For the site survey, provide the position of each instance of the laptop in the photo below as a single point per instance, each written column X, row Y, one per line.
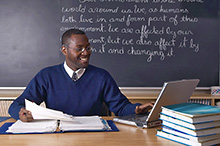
column 172, row 92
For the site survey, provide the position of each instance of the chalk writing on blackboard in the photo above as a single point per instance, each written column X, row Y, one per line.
column 136, row 30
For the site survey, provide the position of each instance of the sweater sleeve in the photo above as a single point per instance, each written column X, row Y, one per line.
column 14, row 110
column 35, row 92
column 115, row 100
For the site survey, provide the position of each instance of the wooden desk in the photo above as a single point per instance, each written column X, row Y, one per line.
column 127, row 136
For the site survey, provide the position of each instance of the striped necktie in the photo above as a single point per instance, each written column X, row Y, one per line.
column 74, row 77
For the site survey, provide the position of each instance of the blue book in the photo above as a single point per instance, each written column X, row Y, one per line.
column 199, row 133
column 192, row 112
column 186, row 141
column 190, row 137
column 198, row 126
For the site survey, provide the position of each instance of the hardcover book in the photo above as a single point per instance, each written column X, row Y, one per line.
column 204, row 132
column 186, row 141
column 190, row 137
column 192, row 112
column 197, row 126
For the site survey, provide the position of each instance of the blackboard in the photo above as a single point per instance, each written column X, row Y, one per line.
column 142, row 43
column 29, row 38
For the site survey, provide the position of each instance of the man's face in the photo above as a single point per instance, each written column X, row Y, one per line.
column 75, row 57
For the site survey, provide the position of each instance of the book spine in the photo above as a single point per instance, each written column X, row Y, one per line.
column 205, row 132
column 177, row 138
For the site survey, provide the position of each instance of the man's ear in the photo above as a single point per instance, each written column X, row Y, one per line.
column 63, row 50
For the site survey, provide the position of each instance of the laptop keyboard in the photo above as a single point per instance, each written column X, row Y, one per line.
column 138, row 118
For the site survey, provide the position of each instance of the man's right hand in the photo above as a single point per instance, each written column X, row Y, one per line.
column 25, row 115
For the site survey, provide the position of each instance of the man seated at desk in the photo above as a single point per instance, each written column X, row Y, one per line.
column 75, row 87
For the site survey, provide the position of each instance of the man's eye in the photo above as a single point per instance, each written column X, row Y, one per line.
column 78, row 49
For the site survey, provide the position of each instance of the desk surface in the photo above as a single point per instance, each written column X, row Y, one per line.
column 127, row 136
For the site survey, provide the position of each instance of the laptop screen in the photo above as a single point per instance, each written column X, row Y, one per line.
column 173, row 92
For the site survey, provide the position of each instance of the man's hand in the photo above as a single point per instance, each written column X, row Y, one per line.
column 141, row 109
column 25, row 115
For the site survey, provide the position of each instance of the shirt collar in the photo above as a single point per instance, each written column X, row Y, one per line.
column 70, row 72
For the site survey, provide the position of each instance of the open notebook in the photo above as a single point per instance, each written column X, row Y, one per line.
column 88, row 123
column 172, row 92
column 49, row 121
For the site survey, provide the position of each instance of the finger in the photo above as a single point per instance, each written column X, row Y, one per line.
column 137, row 110
column 23, row 111
column 29, row 117
column 144, row 108
column 25, row 115
column 141, row 109
column 151, row 104
column 23, row 118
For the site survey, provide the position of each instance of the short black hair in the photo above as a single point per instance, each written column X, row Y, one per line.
column 66, row 35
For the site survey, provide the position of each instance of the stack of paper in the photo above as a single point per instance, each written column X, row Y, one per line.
column 36, row 126
column 82, row 123
column 48, row 120
column 191, row 124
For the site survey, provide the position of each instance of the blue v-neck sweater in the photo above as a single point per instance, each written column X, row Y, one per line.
column 82, row 97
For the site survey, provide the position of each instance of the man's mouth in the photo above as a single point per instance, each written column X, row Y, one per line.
column 84, row 58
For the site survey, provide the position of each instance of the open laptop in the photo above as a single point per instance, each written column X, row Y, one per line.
column 172, row 92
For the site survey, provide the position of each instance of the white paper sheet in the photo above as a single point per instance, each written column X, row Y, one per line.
column 39, row 112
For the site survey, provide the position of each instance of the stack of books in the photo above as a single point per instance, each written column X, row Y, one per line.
column 191, row 124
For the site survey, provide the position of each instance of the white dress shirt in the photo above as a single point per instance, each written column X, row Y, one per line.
column 70, row 72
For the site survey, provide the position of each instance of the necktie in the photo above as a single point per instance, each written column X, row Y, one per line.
column 74, row 77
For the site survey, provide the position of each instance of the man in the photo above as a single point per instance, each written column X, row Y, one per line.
column 75, row 87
